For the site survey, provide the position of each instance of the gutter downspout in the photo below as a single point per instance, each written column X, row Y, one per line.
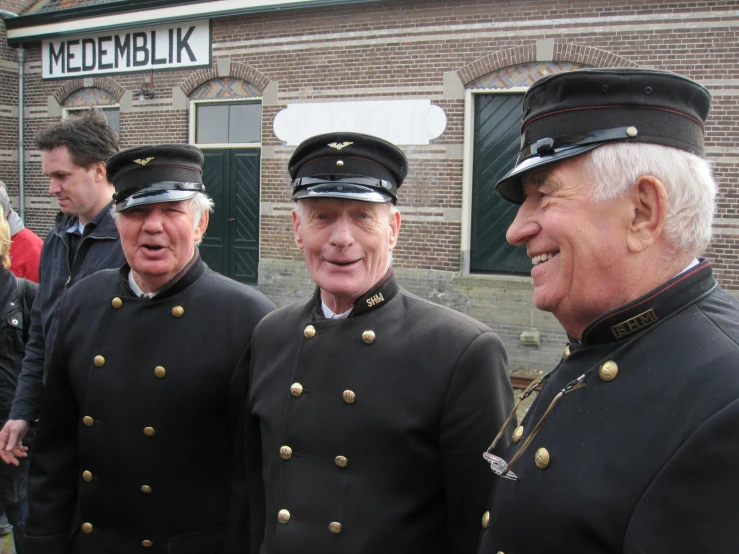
column 21, row 134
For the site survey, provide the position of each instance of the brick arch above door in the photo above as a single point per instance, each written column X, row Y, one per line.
column 525, row 64
column 255, row 80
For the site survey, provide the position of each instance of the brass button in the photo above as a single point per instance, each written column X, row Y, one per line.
column 608, row 371
column 149, row 431
column 286, row 452
column 518, row 433
column 485, row 520
column 341, row 461
column 87, row 475
column 296, row 389
column 368, row 337
column 631, row 131
column 283, row 516
column 147, row 543
column 340, row 163
column 160, row 372
column 566, row 352
column 87, row 420
column 99, row 361
column 87, row 528
column 335, row 527
column 349, row 396
column 542, row 458
column 309, row 332
column 178, row 311
column 146, row 489
column 116, row 302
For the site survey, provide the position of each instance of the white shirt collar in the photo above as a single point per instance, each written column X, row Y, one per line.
column 136, row 288
column 329, row 313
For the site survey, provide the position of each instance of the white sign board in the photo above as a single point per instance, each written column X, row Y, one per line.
column 185, row 44
column 398, row 121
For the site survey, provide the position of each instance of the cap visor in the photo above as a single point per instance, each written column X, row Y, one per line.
column 343, row 191
column 154, row 197
column 510, row 187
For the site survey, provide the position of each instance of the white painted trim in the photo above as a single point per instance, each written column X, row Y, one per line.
column 187, row 11
column 469, row 140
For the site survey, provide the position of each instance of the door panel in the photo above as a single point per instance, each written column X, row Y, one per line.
column 231, row 243
column 496, row 145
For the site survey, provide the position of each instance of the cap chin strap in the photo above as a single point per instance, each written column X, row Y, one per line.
column 548, row 145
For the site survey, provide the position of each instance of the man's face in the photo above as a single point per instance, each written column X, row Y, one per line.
column 158, row 240
column 346, row 244
column 79, row 191
column 578, row 246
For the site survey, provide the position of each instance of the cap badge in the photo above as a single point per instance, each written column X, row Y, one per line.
column 143, row 161
column 339, row 145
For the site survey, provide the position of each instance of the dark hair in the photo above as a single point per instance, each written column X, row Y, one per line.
column 86, row 134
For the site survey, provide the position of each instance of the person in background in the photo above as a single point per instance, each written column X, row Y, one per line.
column 150, row 361
column 17, row 295
column 369, row 405
column 25, row 248
column 82, row 241
column 632, row 446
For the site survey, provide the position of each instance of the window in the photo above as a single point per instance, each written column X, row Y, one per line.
column 229, row 123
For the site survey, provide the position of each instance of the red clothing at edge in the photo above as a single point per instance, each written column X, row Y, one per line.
column 25, row 253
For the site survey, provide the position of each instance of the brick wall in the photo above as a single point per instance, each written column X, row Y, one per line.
column 413, row 49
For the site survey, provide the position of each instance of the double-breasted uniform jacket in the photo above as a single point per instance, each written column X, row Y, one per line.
column 144, row 401
column 644, row 458
column 372, row 426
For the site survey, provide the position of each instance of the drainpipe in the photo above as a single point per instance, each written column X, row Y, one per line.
column 21, row 135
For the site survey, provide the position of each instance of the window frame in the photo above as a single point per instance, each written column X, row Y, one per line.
column 192, row 132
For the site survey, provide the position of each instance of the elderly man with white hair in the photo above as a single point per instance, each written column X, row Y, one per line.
column 151, row 360
column 633, row 443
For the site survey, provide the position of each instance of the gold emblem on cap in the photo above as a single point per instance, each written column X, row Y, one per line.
column 340, row 163
column 143, row 161
column 339, row 145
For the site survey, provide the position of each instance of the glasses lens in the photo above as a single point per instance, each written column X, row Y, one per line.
column 499, row 466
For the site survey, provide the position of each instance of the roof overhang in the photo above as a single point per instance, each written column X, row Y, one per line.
column 26, row 29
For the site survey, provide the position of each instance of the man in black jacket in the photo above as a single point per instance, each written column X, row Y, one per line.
column 370, row 404
column 145, row 397
column 633, row 443
column 83, row 240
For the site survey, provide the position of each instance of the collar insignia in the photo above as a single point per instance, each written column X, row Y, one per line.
column 143, row 161
column 634, row 324
column 339, row 145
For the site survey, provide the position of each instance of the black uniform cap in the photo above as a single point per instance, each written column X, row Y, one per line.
column 153, row 174
column 570, row 113
column 352, row 166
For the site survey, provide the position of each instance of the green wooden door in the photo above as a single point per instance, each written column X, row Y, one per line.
column 496, row 145
column 231, row 243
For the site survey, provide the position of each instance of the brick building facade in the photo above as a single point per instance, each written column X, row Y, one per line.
column 372, row 55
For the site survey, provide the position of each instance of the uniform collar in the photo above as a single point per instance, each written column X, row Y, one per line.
column 379, row 295
column 630, row 319
column 187, row 276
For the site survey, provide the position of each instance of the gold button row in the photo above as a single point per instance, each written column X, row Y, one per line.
column 283, row 516
column 177, row 311
column 296, row 389
column 159, row 371
column 310, row 331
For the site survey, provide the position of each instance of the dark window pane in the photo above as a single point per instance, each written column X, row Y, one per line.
column 212, row 124
column 245, row 121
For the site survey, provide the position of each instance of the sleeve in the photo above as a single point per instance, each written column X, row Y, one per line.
column 53, row 473
column 27, row 401
column 478, row 402
column 691, row 504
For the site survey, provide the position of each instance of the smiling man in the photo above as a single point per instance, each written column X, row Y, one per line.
column 633, row 443
column 370, row 405
column 150, row 359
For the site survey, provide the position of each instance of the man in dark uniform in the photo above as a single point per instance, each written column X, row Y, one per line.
column 136, row 441
column 633, row 444
column 370, row 404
